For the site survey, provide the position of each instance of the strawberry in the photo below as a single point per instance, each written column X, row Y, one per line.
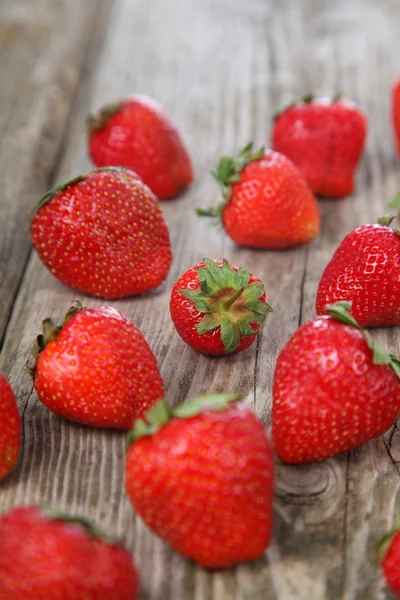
column 334, row 389
column 396, row 113
column 201, row 477
column 136, row 133
column 103, row 234
column 51, row 556
column 365, row 270
column 325, row 139
column 10, row 428
column 218, row 308
column 267, row 204
column 389, row 553
column 96, row 369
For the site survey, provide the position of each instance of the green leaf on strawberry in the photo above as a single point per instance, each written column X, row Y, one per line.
column 229, row 302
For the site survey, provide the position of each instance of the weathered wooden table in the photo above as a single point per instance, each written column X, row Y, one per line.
column 221, row 68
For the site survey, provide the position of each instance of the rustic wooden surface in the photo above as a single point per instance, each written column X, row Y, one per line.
column 221, row 68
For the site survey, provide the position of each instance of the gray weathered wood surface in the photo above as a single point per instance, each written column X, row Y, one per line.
column 221, row 68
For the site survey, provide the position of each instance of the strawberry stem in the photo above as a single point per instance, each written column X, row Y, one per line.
column 235, row 296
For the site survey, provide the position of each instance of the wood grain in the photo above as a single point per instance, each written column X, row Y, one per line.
column 42, row 50
column 221, row 69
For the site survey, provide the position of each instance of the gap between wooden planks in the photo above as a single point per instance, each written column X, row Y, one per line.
column 221, row 68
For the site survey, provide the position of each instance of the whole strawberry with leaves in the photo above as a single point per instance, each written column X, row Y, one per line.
column 396, row 113
column 96, row 368
column 136, row 133
column 365, row 270
column 201, row 477
column 103, row 234
column 389, row 553
column 10, row 428
column 334, row 389
column 325, row 139
column 48, row 555
column 218, row 308
column 266, row 201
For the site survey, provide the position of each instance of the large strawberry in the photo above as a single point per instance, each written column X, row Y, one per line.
column 45, row 555
column 365, row 270
column 136, row 133
column 396, row 113
column 96, row 369
column 334, row 389
column 325, row 139
column 201, row 477
column 103, row 234
column 389, row 552
column 10, row 428
column 266, row 201
column 218, row 308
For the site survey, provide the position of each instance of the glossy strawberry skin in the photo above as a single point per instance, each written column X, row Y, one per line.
column 325, row 139
column 185, row 316
column 204, row 485
column 271, row 207
column 99, row 372
column 328, row 396
column 42, row 558
column 396, row 113
column 365, row 270
column 104, row 235
column 391, row 564
column 10, row 428
column 141, row 137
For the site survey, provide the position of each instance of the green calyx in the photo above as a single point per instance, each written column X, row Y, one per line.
column 380, row 356
column 386, row 221
column 97, row 121
column 307, row 99
column 395, row 202
column 228, row 301
column 90, row 528
column 384, row 543
column 48, row 196
column 227, row 173
column 50, row 333
column 160, row 413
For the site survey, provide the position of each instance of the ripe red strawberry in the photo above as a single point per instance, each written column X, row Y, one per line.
column 103, row 234
column 10, row 428
column 136, row 133
column 325, row 139
column 389, row 550
column 96, row 369
column 365, row 270
column 58, row 557
column 267, row 204
column 201, row 477
column 396, row 113
column 334, row 389
column 218, row 308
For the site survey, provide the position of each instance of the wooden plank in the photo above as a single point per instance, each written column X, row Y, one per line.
column 42, row 49
column 221, row 69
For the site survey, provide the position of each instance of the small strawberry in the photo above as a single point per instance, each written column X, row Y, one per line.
column 45, row 555
column 96, row 369
column 325, row 139
column 267, row 204
column 103, row 234
column 396, row 113
column 365, row 270
column 218, row 308
column 334, row 389
column 389, row 553
column 201, row 477
column 136, row 133
column 10, row 428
